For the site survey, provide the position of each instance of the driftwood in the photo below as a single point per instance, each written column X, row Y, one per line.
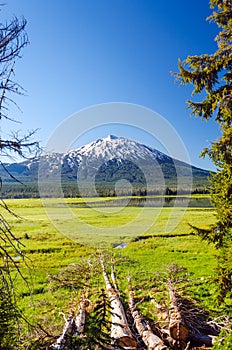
column 151, row 340
column 121, row 334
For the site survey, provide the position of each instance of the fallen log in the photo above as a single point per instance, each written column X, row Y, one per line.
column 121, row 334
column 113, row 278
column 195, row 318
column 177, row 327
column 74, row 325
column 81, row 312
column 152, row 341
column 68, row 330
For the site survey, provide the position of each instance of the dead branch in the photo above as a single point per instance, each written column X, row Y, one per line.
column 68, row 330
column 162, row 313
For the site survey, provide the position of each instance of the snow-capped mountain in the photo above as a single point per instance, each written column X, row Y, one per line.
column 113, row 147
column 105, row 160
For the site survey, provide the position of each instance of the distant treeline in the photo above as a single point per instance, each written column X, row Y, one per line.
column 71, row 190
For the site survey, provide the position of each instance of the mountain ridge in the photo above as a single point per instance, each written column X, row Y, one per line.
column 108, row 160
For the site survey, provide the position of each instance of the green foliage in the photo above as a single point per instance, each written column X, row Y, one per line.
column 224, row 342
column 107, row 189
column 8, row 315
column 51, row 253
column 98, row 324
column 212, row 74
column 224, row 275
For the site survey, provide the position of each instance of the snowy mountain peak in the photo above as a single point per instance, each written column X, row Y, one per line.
column 107, row 159
column 117, row 148
column 110, row 137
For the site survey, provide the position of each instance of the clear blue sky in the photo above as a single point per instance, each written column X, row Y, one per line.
column 86, row 52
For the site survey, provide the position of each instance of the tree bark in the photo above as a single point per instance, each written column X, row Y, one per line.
column 177, row 327
column 120, row 331
column 74, row 325
column 69, row 329
column 152, row 341
column 81, row 311
column 113, row 278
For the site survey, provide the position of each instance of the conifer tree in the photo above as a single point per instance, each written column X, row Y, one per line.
column 211, row 76
column 13, row 39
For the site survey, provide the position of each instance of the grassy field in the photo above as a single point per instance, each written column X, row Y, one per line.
column 99, row 222
column 52, row 243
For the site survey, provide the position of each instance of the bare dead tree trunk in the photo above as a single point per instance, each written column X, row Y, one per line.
column 177, row 327
column 120, row 331
column 81, row 313
column 113, row 278
column 69, row 329
column 74, row 325
column 151, row 340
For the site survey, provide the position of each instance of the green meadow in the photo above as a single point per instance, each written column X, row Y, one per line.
column 56, row 233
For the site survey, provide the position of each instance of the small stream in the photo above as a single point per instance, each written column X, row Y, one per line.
column 121, row 246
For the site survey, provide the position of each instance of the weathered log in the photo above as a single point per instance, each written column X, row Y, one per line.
column 177, row 327
column 69, row 329
column 114, row 280
column 74, row 325
column 81, row 312
column 121, row 334
column 151, row 340
column 195, row 318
